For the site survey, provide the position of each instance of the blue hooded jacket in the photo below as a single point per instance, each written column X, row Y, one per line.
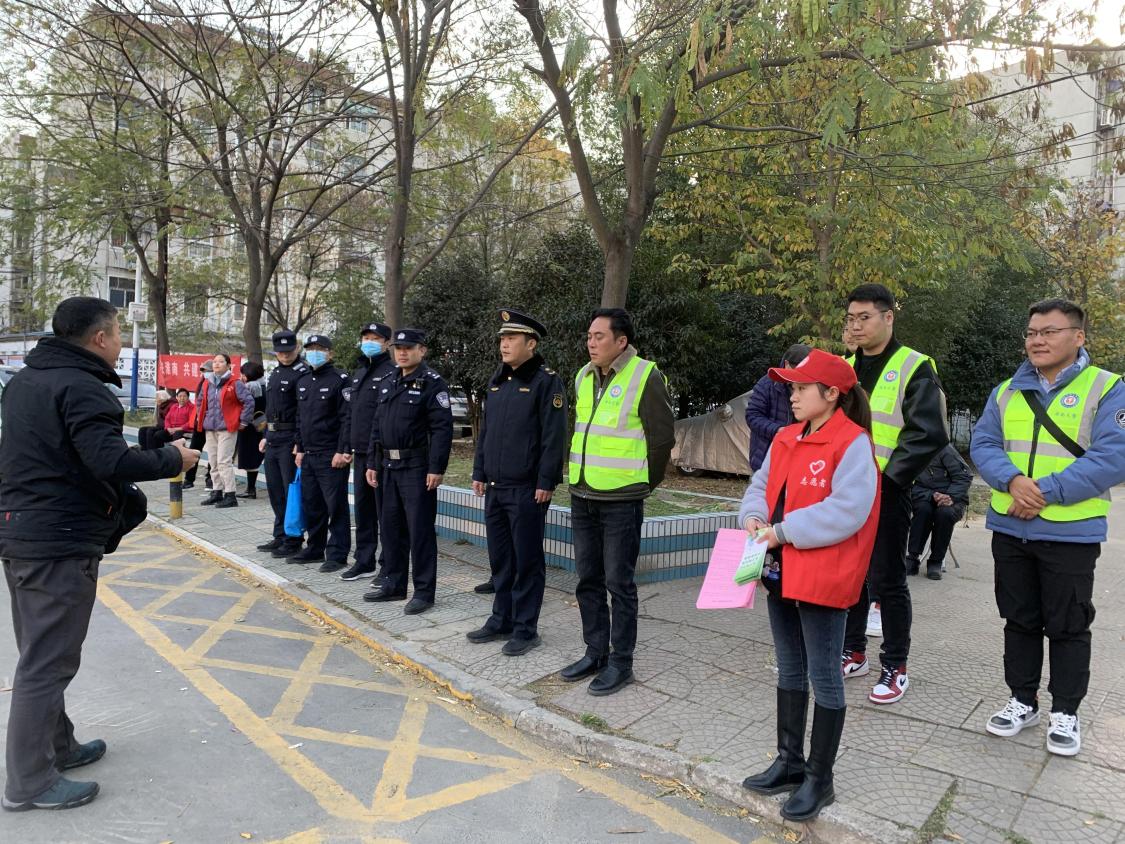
column 1102, row 467
column 767, row 412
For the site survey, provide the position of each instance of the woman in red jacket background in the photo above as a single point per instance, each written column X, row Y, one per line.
column 816, row 503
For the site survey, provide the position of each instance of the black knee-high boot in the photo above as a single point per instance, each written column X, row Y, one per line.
column 788, row 768
column 816, row 791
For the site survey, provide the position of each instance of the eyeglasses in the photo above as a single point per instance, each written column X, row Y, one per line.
column 1048, row 333
column 860, row 319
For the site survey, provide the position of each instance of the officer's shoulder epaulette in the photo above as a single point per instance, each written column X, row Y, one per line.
column 300, row 366
column 344, row 376
column 547, row 369
column 433, row 375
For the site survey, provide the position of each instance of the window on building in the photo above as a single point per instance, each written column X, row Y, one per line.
column 357, row 122
column 117, row 236
column 195, row 302
column 199, row 250
column 121, row 291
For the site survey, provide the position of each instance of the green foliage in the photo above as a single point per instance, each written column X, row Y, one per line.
column 455, row 304
column 348, row 306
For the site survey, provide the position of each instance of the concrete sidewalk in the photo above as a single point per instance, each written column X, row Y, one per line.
column 702, row 710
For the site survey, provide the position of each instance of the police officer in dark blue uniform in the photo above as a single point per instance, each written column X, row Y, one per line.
column 323, row 454
column 374, row 368
column 519, row 462
column 407, row 456
column 281, row 431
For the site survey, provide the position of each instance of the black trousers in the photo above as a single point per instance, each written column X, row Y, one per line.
column 280, row 466
column 935, row 522
column 514, row 524
column 408, row 525
column 324, row 497
column 367, row 505
column 51, row 605
column 886, row 577
column 607, row 543
column 198, row 441
column 1046, row 589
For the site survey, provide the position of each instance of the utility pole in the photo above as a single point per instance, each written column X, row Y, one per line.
column 136, row 338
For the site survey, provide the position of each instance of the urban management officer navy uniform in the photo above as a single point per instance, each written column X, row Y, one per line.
column 407, row 455
column 374, row 368
column 281, row 432
column 323, row 453
column 519, row 459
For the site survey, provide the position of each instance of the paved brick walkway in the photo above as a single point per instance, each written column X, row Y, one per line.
column 706, row 688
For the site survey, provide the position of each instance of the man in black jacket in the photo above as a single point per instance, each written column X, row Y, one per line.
column 908, row 429
column 519, row 459
column 370, row 375
column 939, row 498
column 63, row 469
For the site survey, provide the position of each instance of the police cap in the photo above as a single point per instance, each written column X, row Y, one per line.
column 379, row 328
column 322, row 340
column 516, row 323
column 409, row 337
column 284, row 341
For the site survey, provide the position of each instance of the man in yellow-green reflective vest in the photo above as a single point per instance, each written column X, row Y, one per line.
column 908, row 427
column 1051, row 444
column 623, row 436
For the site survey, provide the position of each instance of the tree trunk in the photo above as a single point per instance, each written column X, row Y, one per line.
column 394, row 292
column 158, row 288
column 259, row 282
column 618, row 266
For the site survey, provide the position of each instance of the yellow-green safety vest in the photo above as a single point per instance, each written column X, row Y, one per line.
column 886, row 400
column 608, row 449
column 1037, row 454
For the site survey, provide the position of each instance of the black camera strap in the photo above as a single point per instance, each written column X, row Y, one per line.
column 1042, row 417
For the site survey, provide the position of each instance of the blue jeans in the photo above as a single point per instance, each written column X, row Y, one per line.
column 607, row 542
column 808, row 640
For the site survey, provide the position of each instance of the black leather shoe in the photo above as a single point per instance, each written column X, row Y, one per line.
column 585, row 667
column 288, row 548
column 382, row 594
column 64, row 794
column 332, row 566
column 609, row 680
column 229, row 500
column 486, row 588
column 188, row 485
column 912, row 565
column 417, row 605
column 520, row 646
column 214, row 498
column 250, row 493
column 272, row 545
column 933, row 570
column 487, row 634
column 307, row 556
column 86, row 754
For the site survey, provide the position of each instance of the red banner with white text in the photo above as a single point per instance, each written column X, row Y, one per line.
column 175, row 371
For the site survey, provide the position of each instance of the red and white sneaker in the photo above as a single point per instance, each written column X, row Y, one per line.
column 892, row 685
column 854, row 664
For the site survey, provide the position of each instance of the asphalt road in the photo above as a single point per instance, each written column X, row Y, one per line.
column 231, row 715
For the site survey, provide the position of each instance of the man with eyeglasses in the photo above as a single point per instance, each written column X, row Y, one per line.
column 1051, row 444
column 908, row 429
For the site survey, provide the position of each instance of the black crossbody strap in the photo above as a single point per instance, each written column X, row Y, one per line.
column 1032, row 399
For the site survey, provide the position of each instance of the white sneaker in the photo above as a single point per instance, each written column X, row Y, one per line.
column 875, row 621
column 1064, row 737
column 1012, row 718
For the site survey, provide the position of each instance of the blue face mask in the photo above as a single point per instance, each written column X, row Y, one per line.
column 316, row 358
column 370, row 347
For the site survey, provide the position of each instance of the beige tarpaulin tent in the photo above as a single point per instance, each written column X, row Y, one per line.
column 718, row 441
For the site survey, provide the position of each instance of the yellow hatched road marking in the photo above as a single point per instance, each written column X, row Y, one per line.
column 391, row 803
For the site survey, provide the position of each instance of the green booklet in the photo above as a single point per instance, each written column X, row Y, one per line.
column 753, row 557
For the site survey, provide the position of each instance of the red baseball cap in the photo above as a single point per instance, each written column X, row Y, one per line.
column 819, row 367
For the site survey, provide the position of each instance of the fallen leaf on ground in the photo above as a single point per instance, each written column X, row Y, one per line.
column 626, row 831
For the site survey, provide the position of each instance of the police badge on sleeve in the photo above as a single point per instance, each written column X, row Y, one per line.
column 443, row 399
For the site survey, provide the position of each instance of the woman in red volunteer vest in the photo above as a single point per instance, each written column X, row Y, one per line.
column 815, row 501
column 224, row 406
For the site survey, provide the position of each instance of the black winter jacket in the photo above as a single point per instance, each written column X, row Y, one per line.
column 949, row 473
column 63, row 459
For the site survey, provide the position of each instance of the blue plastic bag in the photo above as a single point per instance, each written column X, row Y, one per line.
column 294, row 512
